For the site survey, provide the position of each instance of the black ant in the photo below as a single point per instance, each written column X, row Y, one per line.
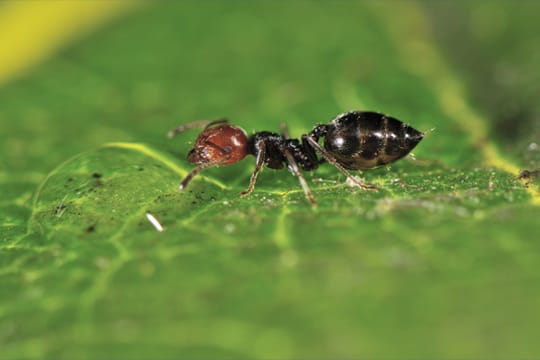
column 355, row 140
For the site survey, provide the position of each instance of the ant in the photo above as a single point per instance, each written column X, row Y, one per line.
column 356, row 140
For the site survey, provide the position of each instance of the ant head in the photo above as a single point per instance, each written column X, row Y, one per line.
column 219, row 145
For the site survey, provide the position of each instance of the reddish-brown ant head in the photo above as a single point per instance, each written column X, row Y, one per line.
column 219, row 145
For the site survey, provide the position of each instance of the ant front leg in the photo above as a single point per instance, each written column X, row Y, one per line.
column 260, row 147
column 332, row 160
column 194, row 124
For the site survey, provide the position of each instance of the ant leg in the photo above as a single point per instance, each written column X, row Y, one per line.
column 194, row 124
column 284, row 131
column 328, row 157
column 192, row 174
column 296, row 171
column 260, row 147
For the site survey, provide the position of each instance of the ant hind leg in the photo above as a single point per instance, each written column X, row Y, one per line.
column 284, row 131
column 328, row 157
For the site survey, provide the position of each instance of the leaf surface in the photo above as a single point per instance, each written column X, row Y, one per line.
column 440, row 263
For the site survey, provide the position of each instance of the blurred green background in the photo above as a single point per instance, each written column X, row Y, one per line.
column 441, row 263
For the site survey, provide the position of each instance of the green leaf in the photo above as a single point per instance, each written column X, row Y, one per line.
column 440, row 263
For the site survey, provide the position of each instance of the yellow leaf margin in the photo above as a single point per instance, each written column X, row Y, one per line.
column 31, row 31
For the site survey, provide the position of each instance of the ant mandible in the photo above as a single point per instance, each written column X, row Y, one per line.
column 356, row 140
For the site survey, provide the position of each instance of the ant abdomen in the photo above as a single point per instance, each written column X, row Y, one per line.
column 362, row 140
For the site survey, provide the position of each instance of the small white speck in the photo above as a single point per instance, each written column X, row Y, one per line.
column 532, row 146
column 154, row 222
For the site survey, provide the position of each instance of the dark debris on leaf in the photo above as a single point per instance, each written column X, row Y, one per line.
column 527, row 174
column 97, row 182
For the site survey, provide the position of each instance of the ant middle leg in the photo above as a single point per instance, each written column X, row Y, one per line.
column 332, row 160
column 296, row 171
column 194, row 124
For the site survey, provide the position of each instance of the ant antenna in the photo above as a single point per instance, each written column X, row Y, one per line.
column 200, row 123
column 192, row 174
